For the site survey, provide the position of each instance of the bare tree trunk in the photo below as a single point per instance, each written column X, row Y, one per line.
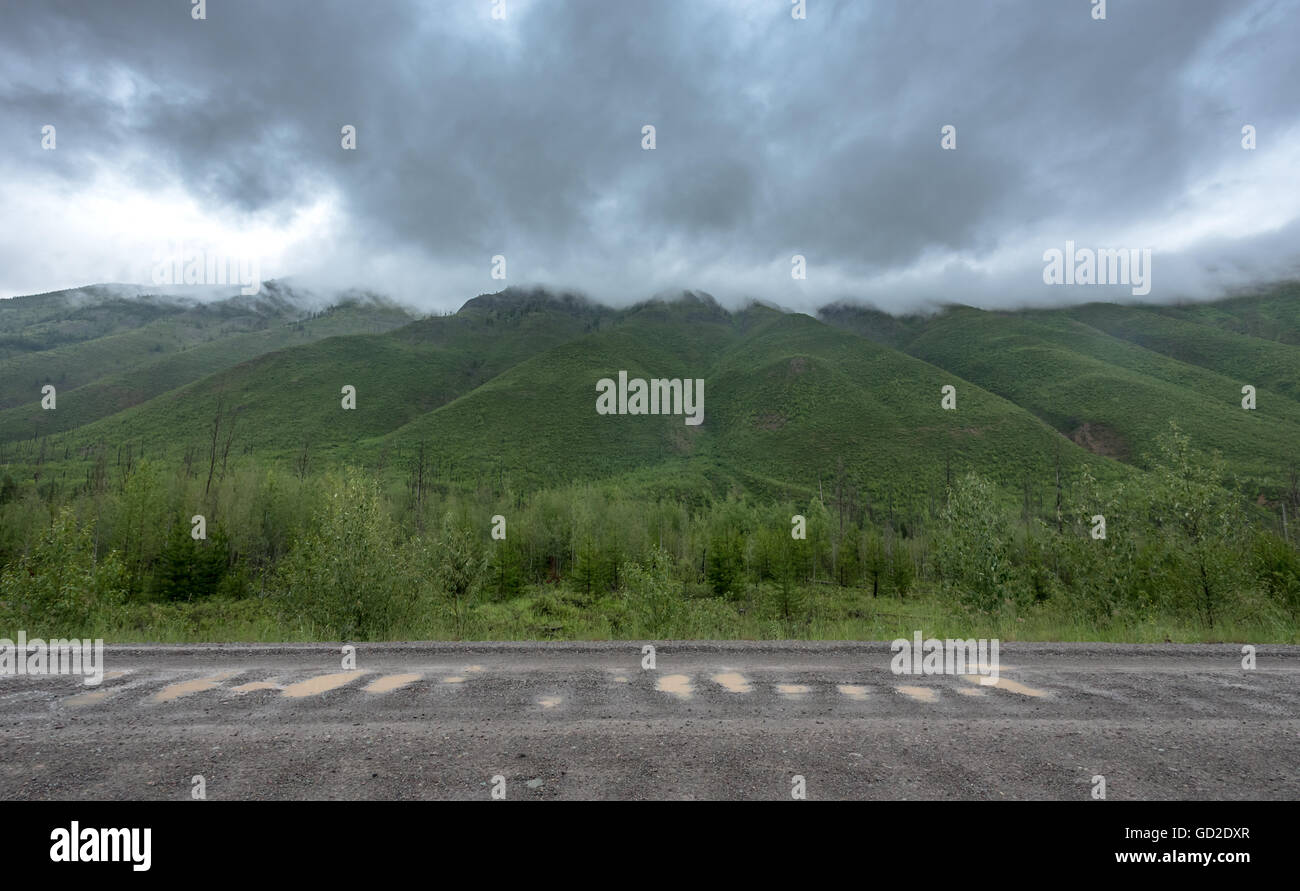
column 1059, row 524
column 1205, row 586
column 212, row 449
column 225, row 451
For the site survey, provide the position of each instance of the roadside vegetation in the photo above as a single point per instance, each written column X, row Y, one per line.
column 355, row 556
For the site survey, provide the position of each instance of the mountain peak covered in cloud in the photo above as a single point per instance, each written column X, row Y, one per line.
column 908, row 154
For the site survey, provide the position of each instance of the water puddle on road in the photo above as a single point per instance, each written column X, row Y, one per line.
column 321, row 684
column 1007, row 684
column 254, row 686
column 970, row 691
column 733, row 682
column 86, row 698
column 920, row 694
column 677, row 684
column 186, row 688
column 391, row 682
column 454, row 680
column 853, row 691
column 793, row 690
column 549, row 701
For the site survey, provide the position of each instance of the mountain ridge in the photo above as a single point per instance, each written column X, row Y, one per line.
column 506, row 385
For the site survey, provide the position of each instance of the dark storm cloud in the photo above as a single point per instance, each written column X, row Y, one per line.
column 774, row 136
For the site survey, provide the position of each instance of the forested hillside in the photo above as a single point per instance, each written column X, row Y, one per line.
column 1111, row 471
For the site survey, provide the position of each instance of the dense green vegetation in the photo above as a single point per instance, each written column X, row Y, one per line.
column 106, row 367
column 327, row 523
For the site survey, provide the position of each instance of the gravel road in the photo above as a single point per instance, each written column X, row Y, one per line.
column 711, row 721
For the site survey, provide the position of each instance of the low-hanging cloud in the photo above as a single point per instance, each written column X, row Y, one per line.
column 774, row 136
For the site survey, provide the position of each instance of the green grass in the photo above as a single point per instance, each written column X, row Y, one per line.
column 549, row 612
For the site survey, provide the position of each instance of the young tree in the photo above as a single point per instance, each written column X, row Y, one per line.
column 188, row 569
column 346, row 576
column 1199, row 522
column 902, row 571
column 650, row 592
column 725, row 562
column 588, row 567
column 59, row 586
column 505, row 573
column 873, row 558
column 461, row 565
column 974, row 554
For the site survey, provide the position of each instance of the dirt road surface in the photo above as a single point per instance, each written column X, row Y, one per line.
column 711, row 721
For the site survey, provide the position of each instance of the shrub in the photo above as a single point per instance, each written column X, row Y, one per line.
column 60, row 587
column 651, row 592
column 346, row 575
column 188, row 569
column 974, row 556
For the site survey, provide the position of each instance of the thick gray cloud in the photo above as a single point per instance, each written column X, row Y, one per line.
column 775, row 136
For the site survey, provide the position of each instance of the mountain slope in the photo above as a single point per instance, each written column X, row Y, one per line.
column 1113, row 377
column 505, row 390
column 110, row 393
column 787, row 400
column 283, row 400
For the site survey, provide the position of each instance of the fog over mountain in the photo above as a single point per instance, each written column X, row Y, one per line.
column 522, row 136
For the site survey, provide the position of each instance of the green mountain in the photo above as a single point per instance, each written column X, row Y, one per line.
column 1112, row 377
column 281, row 401
column 505, row 389
column 111, row 352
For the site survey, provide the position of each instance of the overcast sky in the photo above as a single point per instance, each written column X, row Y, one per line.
column 522, row 137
